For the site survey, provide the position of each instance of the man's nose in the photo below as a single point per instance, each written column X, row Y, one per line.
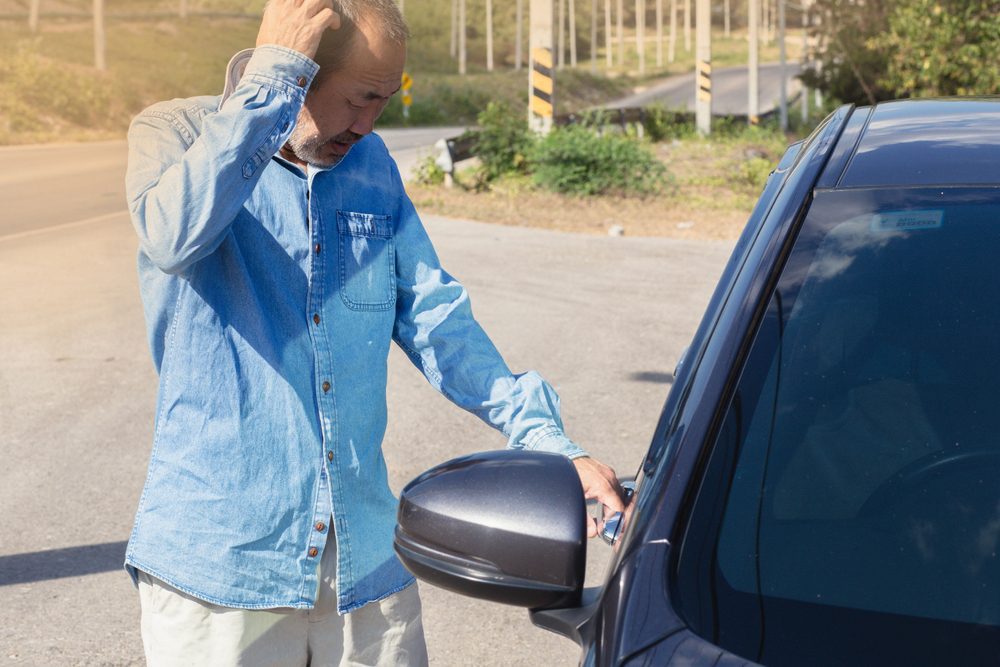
column 365, row 121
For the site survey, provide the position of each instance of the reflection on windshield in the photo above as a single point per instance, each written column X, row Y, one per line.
column 867, row 467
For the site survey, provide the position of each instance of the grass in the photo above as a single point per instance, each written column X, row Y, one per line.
column 714, row 183
column 49, row 89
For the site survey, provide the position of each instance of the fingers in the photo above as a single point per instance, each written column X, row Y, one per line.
column 297, row 24
column 600, row 483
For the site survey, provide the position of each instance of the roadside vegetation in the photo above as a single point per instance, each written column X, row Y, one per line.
column 600, row 180
column 50, row 91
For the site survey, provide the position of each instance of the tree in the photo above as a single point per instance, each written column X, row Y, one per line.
column 942, row 48
column 851, row 63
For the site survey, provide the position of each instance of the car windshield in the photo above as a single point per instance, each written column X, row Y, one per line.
column 850, row 509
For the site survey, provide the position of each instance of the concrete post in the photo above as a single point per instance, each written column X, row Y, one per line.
column 572, row 33
column 489, row 35
column 640, row 34
column 659, row 33
column 703, row 66
column 607, row 34
column 541, row 80
column 461, row 37
column 782, row 58
column 593, row 36
column 33, row 11
column 518, row 55
column 753, row 62
column 99, row 39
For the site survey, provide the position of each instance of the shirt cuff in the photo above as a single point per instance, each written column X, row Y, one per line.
column 552, row 439
column 281, row 67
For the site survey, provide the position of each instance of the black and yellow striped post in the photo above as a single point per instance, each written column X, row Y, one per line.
column 541, row 76
column 542, row 102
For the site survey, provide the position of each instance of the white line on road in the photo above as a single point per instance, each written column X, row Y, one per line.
column 65, row 225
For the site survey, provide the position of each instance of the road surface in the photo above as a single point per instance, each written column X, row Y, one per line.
column 604, row 319
column 44, row 186
column 729, row 90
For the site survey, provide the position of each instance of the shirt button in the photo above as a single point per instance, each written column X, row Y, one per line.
column 321, row 526
column 316, row 318
column 329, row 456
column 313, row 551
column 326, row 387
column 317, row 248
column 301, row 81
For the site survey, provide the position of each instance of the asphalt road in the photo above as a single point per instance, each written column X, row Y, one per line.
column 729, row 90
column 604, row 319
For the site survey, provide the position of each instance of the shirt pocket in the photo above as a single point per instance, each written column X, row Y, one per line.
column 367, row 261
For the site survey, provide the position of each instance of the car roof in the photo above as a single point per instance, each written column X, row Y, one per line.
column 921, row 143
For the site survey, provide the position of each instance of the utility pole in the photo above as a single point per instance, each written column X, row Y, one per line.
column 183, row 9
column 561, row 55
column 784, row 61
column 672, row 51
column 518, row 56
column 687, row 25
column 99, row 41
column 461, row 37
column 753, row 62
column 453, row 49
column 607, row 33
column 703, row 66
column 726, row 12
column 659, row 33
column 541, row 86
column 572, row 33
column 489, row 35
column 640, row 36
column 804, row 97
column 33, row 15
column 621, row 33
column 593, row 36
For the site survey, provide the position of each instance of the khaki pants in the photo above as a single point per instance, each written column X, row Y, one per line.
column 181, row 630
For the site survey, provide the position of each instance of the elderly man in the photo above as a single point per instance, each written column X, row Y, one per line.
column 279, row 256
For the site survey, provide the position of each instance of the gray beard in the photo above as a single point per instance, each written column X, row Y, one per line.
column 306, row 148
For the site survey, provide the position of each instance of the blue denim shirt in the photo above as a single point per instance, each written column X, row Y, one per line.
column 271, row 296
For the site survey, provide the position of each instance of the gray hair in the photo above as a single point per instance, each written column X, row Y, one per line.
column 335, row 45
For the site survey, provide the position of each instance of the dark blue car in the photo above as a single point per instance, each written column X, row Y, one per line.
column 823, row 487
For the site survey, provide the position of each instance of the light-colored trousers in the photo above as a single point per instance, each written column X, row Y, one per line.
column 181, row 630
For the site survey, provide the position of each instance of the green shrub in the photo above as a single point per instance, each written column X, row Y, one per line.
column 428, row 172
column 503, row 141
column 578, row 160
column 661, row 124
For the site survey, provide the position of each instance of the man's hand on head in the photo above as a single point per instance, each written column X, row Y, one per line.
column 297, row 24
column 600, row 483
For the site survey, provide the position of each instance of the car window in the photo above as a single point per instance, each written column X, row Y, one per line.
column 850, row 508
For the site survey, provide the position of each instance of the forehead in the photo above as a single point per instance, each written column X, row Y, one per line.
column 374, row 65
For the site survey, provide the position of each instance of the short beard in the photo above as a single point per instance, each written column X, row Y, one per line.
column 306, row 147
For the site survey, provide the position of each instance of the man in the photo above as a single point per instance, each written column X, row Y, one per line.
column 279, row 256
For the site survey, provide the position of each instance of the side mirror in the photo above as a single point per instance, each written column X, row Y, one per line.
column 507, row 526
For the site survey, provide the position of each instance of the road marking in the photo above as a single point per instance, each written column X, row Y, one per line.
column 65, row 225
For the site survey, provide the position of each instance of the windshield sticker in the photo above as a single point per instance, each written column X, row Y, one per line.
column 904, row 221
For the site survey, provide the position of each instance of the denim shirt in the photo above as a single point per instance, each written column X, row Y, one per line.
column 271, row 295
